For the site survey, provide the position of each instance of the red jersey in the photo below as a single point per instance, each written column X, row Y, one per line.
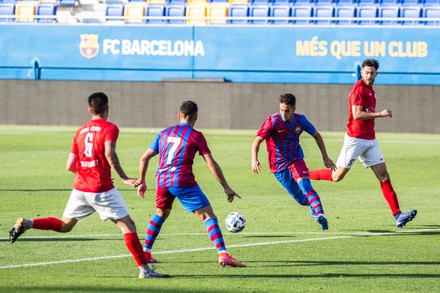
column 93, row 172
column 361, row 95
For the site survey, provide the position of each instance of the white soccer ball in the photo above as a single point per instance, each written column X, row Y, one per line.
column 235, row 222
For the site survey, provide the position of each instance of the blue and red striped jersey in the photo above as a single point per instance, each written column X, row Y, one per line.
column 177, row 146
column 282, row 139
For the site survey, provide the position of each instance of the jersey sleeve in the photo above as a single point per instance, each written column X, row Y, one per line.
column 356, row 97
column 74, row 148
column 307, row 125
column 112, row 134
column 202, row 145
column 266, row 129
column 155, row 143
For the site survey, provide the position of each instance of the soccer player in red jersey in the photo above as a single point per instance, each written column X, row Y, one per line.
column 92, row 155
column 360, row 141
column 177, row 146
column 282, row 131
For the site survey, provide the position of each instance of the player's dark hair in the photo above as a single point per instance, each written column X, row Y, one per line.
column 98, row 103
column 189, row 108
column 288, row 99
column 371, row 63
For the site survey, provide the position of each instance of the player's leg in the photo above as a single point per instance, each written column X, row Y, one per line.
column 288, row 182
column 164, row 203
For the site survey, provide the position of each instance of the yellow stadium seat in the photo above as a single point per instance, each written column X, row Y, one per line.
column 239, row 1
column 197, row 1
column 218, row 12
column 157, row 1
column 25, row 11
column 134, row 12
column 196, row 14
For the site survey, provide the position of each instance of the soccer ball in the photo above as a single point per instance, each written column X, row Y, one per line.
column 235, row 222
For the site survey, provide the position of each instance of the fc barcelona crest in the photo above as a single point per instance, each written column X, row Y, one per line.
column 89, row 46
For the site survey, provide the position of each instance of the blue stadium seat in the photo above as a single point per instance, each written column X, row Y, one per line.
column 388, row 12
column 178, row 2
column 345, row 12
column 46, row 9
column 410, row 2
column 424, row 2
column 301, row 11
column 67, row 2
column 115, row 11
column 280, row 11
column 8, row 1
column 432, row 12
column 259, row 2
column 410, row 14
column 281, row 2
column 323, row 2
column 155, row 10
column 218, row 1
column 366, row 2
column 238, row 10
column 323, row 11
column 175, row 10
column 7, row 9
column 345, row 2
column 389, row 2
column 259, row 11
column 366, row 15
column 302, row 2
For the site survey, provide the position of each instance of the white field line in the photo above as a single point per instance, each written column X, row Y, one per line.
column 343, row 235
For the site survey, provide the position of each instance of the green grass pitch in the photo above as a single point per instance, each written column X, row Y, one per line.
column 284, row 249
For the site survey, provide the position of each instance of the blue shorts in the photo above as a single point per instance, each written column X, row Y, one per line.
column 191, row 198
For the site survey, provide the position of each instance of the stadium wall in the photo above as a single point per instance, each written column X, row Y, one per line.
column 222, row 105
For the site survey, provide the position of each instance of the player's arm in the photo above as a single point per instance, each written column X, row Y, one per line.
column 218, row 174
column 321, row 145
column 113, row 160
column 256, row 167
column 143, row 167
column 359, row 114
column 71, row 162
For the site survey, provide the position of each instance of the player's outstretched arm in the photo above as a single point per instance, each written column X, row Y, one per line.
column 113, row 160
column 321, row 145
column 143, row 167
column 218, row 174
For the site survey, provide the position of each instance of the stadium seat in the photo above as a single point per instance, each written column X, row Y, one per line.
column 410, row 15
column 366, row 15
column 302, row 2
column 176, row 13
column 239, row 1
column 189, row 2
column 388, row 12
column 67, row 2
column 432, row 12
column 114, row 11
column 345, row 12
column 345, row 2
column 177, row 2
column 301, row 12
column 366, row 2
column 323, row 2
column 322, row 11
column 260, row 2
column 241, row 11
column 410, row 2
column 47, row 9
column 281, row 2
column 157, row 2
column 25, row 11
column 389, row 3
column 261, row 11
column 431, row 2
column 280, row 11
column 218, row 12
column 7, row 9
column 8, row 1
column 155, row 10
column 134, row 12
column 196, row 14
column 219, row 1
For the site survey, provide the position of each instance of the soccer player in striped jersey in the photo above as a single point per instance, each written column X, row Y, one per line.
column 177, row 146
column 282, row 131
column 91, row 158
column 360, row 141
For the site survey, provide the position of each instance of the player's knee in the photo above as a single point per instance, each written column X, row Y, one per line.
column 305, row 185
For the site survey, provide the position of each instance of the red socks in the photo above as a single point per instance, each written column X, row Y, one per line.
column 135, row 247
column 49, row 223
column 390, row 196
column 321, row 174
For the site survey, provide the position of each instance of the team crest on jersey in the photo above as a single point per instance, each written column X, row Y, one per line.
column 89, row 45
column 298, row 129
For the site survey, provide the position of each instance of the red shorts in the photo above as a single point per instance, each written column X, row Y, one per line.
column 298, row 169
column 164, row 199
